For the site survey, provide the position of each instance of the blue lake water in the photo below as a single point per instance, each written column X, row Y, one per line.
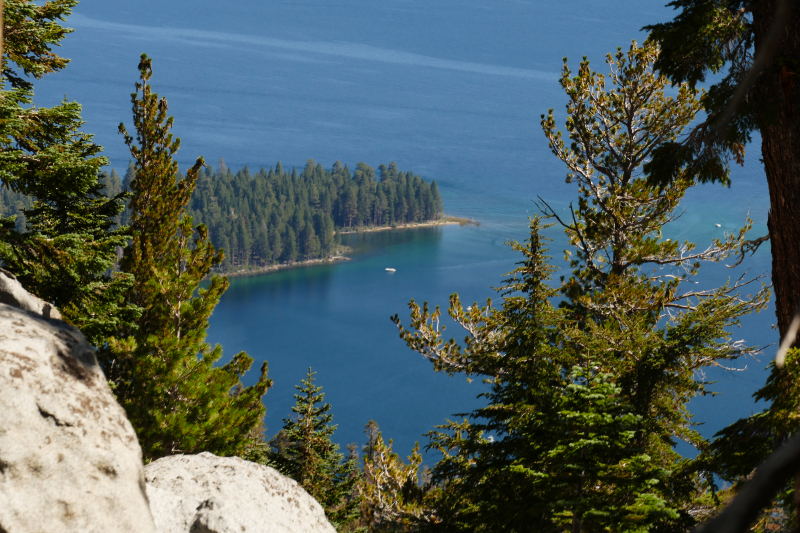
column 452, row 90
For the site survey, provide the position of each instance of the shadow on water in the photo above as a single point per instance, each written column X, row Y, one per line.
column 314, row 275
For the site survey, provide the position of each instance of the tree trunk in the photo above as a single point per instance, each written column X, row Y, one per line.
column 780, row 148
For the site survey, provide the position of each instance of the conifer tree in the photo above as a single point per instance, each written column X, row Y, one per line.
column 630, row 288
column 391, row 499
column 165, row 374
column 640, row 332
column 29, row 33
column 555, row 446
column 315, row 461
column 64, row 251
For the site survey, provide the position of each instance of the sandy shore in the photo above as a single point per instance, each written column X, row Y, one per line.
column 311, row 262
column 441, row 222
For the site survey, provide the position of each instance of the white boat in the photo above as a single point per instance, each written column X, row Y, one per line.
column 391, row 270
column 718, row 225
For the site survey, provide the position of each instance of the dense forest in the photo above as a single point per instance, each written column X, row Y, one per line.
column 279, row 216
column 276, row 216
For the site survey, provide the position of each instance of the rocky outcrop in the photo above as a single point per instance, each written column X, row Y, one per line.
column 12, row 293
column 69, row 458
column 209, row 494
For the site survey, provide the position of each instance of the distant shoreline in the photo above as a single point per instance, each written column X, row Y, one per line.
column 269, row 269
column 444, row 221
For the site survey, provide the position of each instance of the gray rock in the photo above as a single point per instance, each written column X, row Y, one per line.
column 209, row 494
column 12, row 293
column 69, row 458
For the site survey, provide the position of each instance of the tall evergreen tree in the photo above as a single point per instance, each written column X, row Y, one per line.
column 165, row 374
column 630, row 287
column 316, row 462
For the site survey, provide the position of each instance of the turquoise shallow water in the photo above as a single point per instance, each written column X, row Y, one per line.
column 451, row 90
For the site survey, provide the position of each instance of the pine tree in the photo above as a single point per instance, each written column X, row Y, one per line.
column 630, row 288
column 164, row 372
column 316, row 462
column 656, row 332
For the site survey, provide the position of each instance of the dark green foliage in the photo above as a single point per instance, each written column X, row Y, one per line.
column 598, row 475
column 164, row 373
column 269, row 452
column 277, row 216
column 720, row 35
column 14, row 204
column 112, row 186
column 556, row 446
column 315, row 461
column 62, row 247
column 29, row 33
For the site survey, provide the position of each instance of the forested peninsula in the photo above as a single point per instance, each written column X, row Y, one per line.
column 277, row 216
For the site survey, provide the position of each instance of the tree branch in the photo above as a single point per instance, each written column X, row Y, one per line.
column 757, row 493
column 749, row 247
column 762, row 59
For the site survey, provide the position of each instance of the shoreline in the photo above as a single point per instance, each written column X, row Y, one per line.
column 444, row 221
column 269, row 269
